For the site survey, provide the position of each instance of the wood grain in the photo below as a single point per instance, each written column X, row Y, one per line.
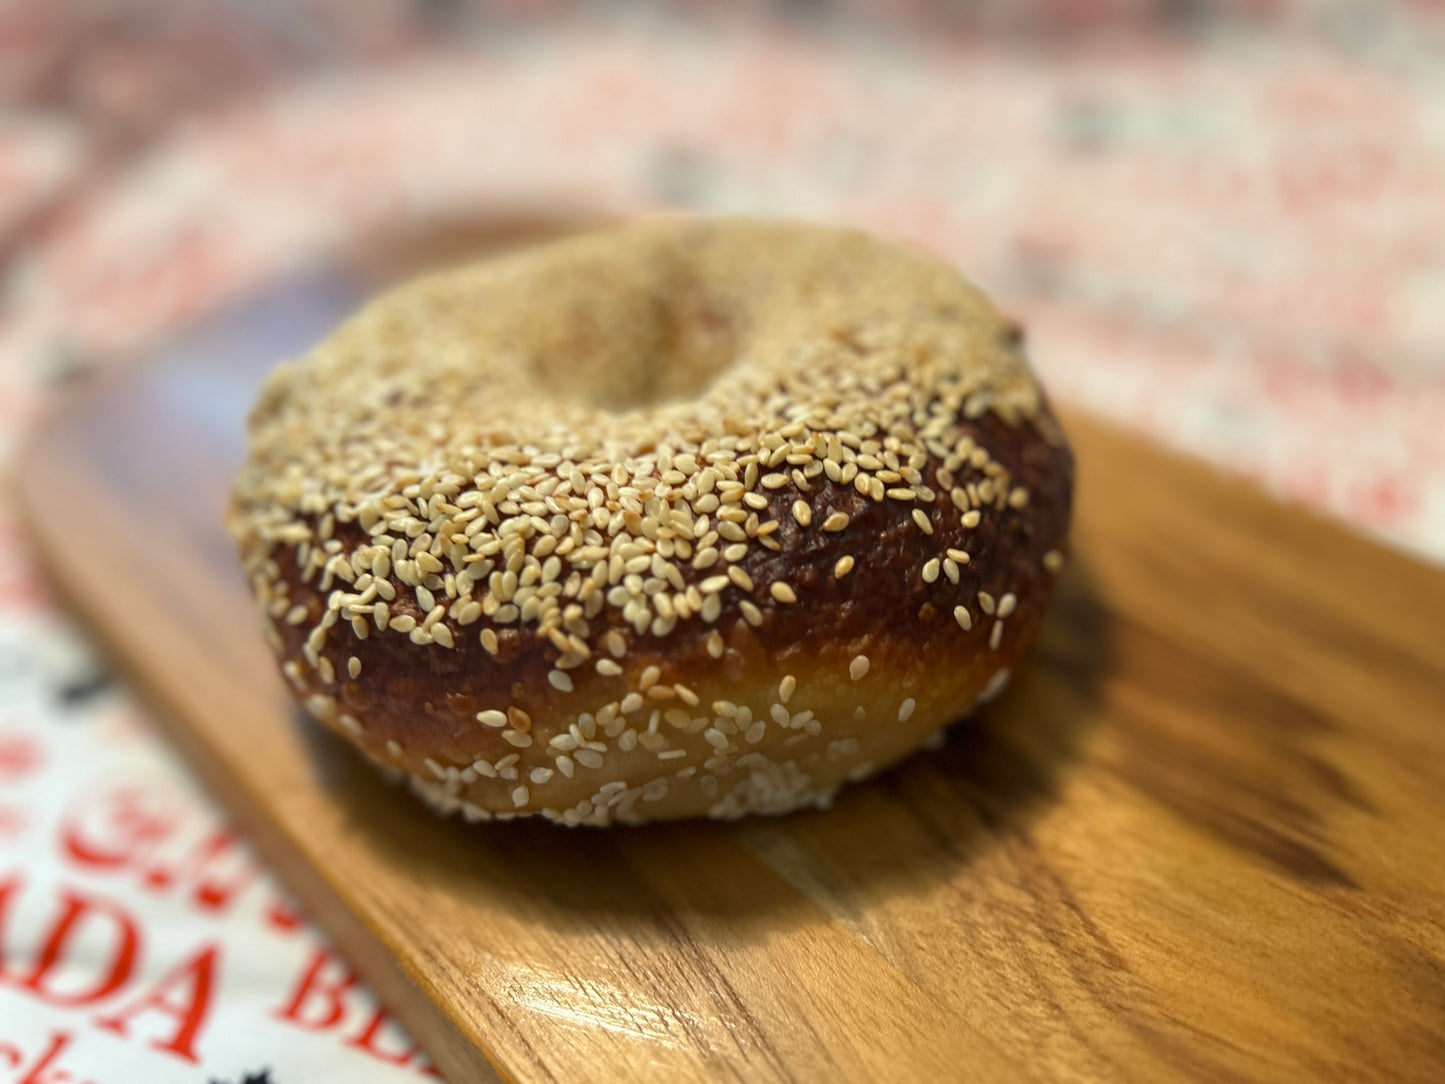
column 1203, row 837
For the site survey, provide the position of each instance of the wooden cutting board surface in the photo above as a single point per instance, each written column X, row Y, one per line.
column 1202, row 837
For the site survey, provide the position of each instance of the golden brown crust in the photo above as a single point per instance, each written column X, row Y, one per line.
column 881, row 416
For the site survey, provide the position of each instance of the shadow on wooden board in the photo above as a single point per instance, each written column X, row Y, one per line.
column 996, row 770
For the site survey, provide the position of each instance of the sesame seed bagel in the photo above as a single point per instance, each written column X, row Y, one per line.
column 674, row 519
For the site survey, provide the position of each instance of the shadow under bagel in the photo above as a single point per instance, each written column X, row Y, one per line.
column 911, row 827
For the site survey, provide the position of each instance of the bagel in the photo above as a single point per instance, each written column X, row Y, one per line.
column 677, row 518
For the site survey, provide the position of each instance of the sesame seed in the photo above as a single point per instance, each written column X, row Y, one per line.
column 1053, row 562
column 843, row 567
column 559, row 679
column 540, row 775
column 517, row 738
column 802, row 513
column 836, row 521
column 961, row 615
column 930, row 570
column 741, row 578
column 353, row 667
column 920, row 517
column 786, row 687
column 995, row 636
column 588, row 758
column 971, row 518
column 608, row 668
column 520, row 796
column 782, row 592
column 649, row 677
column 858, row 667
column 751, row 614
column 905, row 710
column 492, row 717
column 1006, row 604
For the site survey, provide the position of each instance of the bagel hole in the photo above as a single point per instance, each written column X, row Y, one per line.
column 621, row 349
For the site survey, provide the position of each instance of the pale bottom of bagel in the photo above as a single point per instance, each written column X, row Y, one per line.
column 778, row 756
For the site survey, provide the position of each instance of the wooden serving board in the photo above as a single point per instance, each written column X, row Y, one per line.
column 1203, row 836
